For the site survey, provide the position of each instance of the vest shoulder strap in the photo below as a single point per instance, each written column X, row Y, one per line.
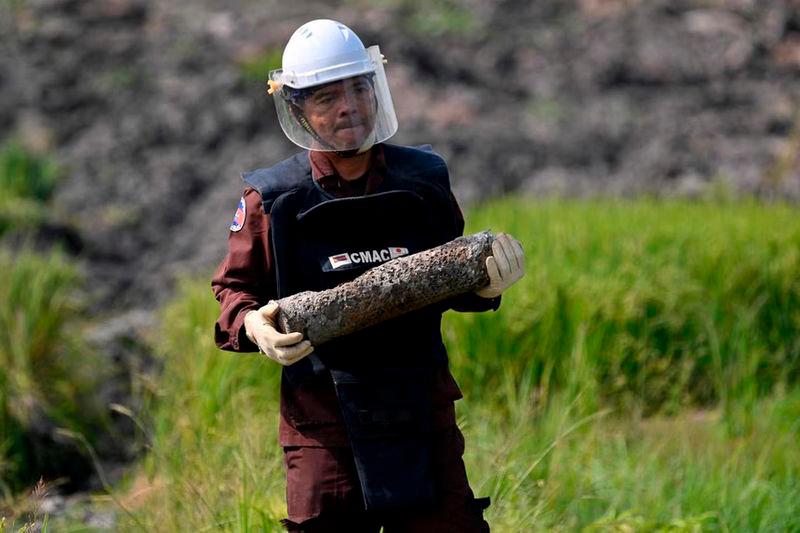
column 403, row 162
column 280, row 178
column 417, row 162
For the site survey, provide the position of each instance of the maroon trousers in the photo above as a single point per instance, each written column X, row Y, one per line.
column 323, row 493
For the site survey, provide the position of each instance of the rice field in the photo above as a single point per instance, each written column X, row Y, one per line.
column 643, row 376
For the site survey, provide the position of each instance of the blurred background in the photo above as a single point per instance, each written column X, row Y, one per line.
column 646, row 152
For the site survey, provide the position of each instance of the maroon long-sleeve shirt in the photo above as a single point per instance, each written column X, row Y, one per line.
column 245, row 281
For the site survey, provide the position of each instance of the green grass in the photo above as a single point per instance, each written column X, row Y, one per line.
column 26, row 182
column 641, row 377
column 213, row 444
column 564, row 465
column 256, row 68
column 679, row 304
column 430, row 18
column 46, row 373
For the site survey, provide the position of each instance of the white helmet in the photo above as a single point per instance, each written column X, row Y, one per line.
column 347, row 117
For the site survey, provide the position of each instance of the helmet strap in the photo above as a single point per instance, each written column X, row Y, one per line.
column 301, row 119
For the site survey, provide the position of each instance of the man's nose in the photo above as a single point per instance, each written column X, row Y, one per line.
column 345, row 105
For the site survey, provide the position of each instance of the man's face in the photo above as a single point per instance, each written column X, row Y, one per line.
column 342, row 112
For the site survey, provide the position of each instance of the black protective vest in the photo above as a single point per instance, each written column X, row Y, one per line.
column 381, row 374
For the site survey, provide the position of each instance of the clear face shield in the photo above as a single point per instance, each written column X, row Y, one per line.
column 350, row 110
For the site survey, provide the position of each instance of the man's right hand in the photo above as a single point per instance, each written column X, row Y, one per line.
column 283, row 348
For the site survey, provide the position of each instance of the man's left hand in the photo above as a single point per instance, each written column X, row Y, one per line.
column 505, row 266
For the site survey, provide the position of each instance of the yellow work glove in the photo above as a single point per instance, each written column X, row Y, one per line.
column 505, row 266
column 283, row 348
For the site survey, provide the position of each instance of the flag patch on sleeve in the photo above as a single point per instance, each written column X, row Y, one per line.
column 239, row 216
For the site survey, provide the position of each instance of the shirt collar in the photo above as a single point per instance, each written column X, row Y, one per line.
column 323, row 171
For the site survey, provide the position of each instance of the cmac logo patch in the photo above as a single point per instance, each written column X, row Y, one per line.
column 366, row 257
column 239, row 216
column 340, row 260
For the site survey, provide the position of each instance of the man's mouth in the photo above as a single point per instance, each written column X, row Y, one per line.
column 349, row 126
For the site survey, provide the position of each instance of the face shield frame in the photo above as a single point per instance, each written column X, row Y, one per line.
column 335, row 132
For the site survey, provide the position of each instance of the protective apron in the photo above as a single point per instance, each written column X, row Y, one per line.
column 381, row 374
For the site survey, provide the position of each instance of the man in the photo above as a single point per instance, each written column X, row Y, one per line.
column 367, row 420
